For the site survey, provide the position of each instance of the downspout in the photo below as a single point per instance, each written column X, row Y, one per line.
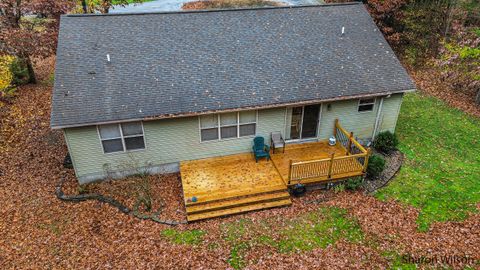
column 70, row 152
column 377, row 119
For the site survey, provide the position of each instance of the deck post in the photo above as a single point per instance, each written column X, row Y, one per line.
column 335, row 128
column 290, row 172
column 365, row 164
column 330, row 166
column 349, row 144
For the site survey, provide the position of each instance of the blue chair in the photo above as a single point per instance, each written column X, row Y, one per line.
column 260, row 150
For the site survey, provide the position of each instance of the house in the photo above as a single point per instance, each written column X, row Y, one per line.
column 152, row 91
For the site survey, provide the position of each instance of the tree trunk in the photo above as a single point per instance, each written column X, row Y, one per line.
column 477, row 99
column 451, row 9
column 84, row 6
column 31, row 72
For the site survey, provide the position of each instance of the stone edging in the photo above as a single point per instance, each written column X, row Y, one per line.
column 394, row 163
column 104, row 199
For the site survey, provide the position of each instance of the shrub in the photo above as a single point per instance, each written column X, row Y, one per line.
column 476, row 31
column 6, row 75
column 376, row 165
column 353, row 183
column 20, row 72
column 13, row 72
column 386, row 142
column 339, row 188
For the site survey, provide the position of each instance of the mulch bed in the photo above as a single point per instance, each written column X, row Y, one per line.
column 39, row 231
column 393, row 163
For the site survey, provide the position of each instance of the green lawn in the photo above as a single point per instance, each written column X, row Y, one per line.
column 192, row 237
column 316, row 229
column 441, row 176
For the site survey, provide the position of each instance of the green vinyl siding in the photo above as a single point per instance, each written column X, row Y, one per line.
column 169, row 141
column 361, row 124
column 390, row 111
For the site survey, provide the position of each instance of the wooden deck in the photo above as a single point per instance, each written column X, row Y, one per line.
column 231, row 184
column 234, row 184
column 304, row 152
column 315, row 151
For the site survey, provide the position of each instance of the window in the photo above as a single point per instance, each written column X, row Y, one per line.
column 366, row 105
column 122, row 137
column 228, row 125
column 248, row 123
column 209, row 127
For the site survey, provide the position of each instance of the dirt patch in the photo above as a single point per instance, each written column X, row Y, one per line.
column 225, row 4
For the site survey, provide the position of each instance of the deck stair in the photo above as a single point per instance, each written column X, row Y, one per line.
column 216, row 205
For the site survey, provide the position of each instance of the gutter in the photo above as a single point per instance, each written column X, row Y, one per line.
column 271, row 106
column 377, row 118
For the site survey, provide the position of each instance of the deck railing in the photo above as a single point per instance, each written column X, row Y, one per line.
column 354, row 163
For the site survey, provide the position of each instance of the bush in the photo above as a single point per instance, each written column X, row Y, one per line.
column 6, row 75
column 339, row 188
column 13, row 72
column 386, row 142
column 376, row 165
column 353, row 183
column 20, row 72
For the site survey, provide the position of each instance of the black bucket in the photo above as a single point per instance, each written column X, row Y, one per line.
column 299, row 190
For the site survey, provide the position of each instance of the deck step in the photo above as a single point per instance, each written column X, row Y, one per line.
column 239, row 209
column 230, row 195
column 236, row 202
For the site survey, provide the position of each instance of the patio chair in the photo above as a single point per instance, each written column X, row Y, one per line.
column 277, row 141
column 260, row 150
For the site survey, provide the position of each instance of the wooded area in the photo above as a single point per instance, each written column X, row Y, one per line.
column 442, row 36
column 430, row 210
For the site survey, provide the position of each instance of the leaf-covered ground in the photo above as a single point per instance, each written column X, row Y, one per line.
column 322, row 230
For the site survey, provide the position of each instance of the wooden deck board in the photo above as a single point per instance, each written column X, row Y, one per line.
column 238, row 202
column 236, row 183
column 239, row 209
column 228, row 176
column 304, row 152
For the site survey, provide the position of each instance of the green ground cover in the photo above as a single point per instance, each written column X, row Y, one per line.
column 441, row 175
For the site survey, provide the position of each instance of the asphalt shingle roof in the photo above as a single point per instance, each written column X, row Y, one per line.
column 172, row 64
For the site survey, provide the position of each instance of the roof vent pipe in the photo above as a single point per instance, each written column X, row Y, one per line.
column 343, row 30
column 108, row 57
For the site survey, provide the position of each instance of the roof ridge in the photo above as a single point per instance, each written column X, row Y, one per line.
column 211, row 10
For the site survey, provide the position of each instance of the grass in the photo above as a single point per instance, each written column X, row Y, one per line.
column 318, row 229
column 192, row 237
column 398, row 262
column 441, row 173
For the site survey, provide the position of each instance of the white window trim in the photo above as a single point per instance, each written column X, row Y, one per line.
column 317, row 132
column 122, row 138
column 373, row 103
column 219, row 128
